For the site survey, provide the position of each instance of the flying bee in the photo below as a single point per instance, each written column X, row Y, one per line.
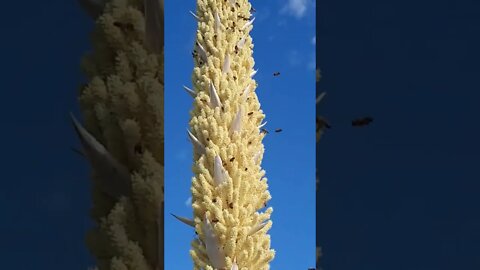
column 278, row 130
column 360, row 122
column 276, row 74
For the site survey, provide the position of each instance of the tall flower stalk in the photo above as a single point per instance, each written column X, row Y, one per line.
column 229, row 188
column 122, row 105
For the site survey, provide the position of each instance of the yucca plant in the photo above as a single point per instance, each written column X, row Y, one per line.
column 229, row 188
column 122, row 107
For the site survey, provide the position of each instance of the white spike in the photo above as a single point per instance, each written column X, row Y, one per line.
column 234, row 266
column 248, row 23
column 262, row 125
column 187, row 221
column 215, row 253
column 202, row 52
column 190, row 91
column 256, row 157
column 226, row 64
column 114, row 178
column 199, row 147
column 257, row 228
column 253, row 73
column 245, row 93
column 320, row 97
column 237, row 121
column 242, row 42
column 219, row 174
column 194, row 15
column 217, row 22
column 214, row 98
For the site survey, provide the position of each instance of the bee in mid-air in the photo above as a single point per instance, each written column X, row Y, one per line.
column 276, row 74
column 360, row 122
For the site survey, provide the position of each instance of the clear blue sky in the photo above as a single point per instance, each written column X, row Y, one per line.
column 402, row 194
column 283, row 33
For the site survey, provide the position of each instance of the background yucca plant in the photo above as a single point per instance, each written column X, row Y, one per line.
column 122, row 107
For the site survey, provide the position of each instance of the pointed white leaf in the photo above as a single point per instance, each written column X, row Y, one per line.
column 262, row 125
column 202, row 52
column 190, row 91
column 187, row 221
column 245, row 93
column 226, row 64
column 256, row 157
column 217, row 22
column 194, row 15
column 257, row 228
column 214, row 251
column 237, row 121
column 234, row 266
column 320, row 97
column 242, row 42
column 248, row 24
column 219, row 174
column 214, row 98
column 253, row 73
column 113, row 177
column 198, row 146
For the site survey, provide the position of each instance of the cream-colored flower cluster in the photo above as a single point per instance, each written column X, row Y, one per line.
column 122, row 105
column 229, row 188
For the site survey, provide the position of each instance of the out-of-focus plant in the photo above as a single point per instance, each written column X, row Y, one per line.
column 122, row 107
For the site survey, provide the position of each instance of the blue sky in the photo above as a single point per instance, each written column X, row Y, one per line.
column 401, row 194
column 283, row 37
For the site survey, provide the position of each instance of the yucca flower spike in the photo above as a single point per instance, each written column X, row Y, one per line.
column 122, row 108
column 229, row 189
